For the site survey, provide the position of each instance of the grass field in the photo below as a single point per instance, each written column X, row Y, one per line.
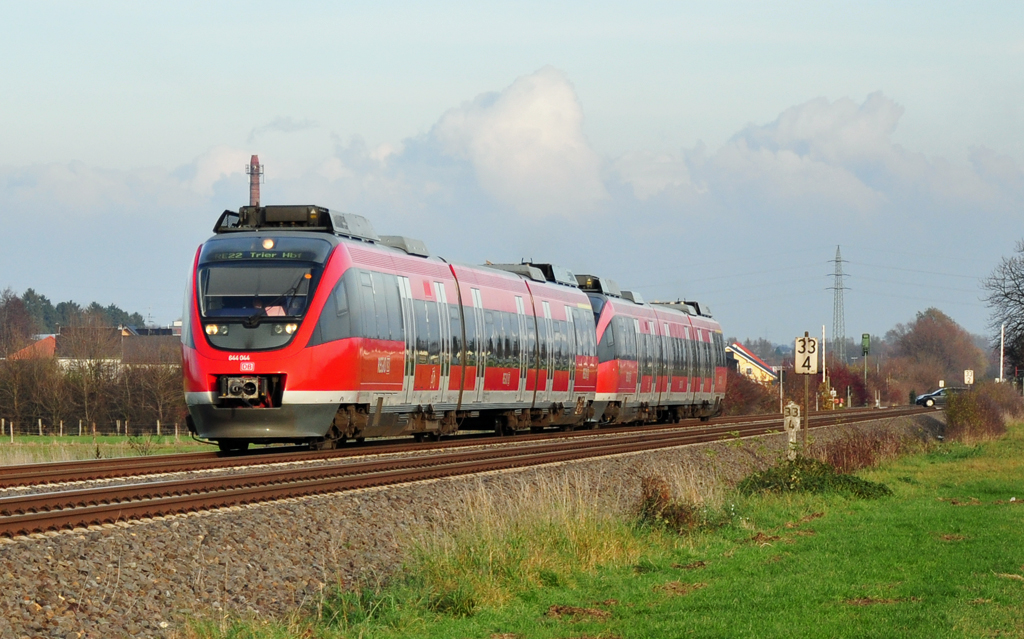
column 31, row 449
column 942, row 557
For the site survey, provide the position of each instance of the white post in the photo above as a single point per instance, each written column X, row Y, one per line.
column 1002, row 344
column 175, row 431
column 40, row 428
column 79, row 428
column 824, row 364
column 3, row 426
column 61, row 428
column 12, row 432
column 158, row 428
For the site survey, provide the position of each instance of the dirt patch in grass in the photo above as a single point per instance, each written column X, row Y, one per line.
column 762, row 539
column 576, row 614
column 871, row 601
column 952, row 537
column 973, row 501
column 678, row 588
column 1005, row 575
column 690, row 566
column 804, row 520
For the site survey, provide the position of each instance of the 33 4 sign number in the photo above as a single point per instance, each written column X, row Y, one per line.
column 806, row 362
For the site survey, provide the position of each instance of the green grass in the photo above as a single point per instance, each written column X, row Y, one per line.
column 31, row 449
column 942, row 557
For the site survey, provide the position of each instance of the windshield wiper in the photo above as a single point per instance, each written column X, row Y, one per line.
column 254, row 320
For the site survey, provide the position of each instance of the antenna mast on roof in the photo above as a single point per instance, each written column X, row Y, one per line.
column 255, row 172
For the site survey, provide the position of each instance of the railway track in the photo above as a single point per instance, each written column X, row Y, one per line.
column 37, row 513
column 24, row 475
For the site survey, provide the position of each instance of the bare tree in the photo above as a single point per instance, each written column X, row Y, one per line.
column 1005, row 297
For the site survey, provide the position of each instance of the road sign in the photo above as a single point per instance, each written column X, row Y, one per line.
column 968, row 377
column 806, row 359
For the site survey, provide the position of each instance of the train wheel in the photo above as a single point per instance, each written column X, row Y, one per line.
column 232, row 445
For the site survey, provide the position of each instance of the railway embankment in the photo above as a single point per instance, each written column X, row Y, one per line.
column 144, row 578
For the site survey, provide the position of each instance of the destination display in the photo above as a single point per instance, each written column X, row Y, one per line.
column 224, row 256
column 265, row 249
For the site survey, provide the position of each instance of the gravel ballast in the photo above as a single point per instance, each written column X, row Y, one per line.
column 145, row 578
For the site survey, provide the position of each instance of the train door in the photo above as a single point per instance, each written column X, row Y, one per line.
column 691, row 364
column 408, row 379
column 665, row 364
column 572, row 346
column 446, row 343
column 524, row 352
column 638, row 339
column 481, row 344
column 547, row 354
column 702, row 364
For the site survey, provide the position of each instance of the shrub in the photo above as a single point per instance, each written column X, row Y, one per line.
column 658, row 508
column 978, row 415
column 744, row 396
column 810, row 475
column 855, row 450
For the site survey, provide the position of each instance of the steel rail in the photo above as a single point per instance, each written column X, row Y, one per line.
column 72, row 509
column 96, row 469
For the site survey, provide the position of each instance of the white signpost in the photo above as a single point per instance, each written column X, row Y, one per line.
column 968, row 377
column 806, row 360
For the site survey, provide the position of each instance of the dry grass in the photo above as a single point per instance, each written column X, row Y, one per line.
column 540, row 533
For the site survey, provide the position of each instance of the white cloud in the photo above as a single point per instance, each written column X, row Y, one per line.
column 527, row 147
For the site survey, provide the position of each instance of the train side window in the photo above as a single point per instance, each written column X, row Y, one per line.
column 469, row 317
column 380, row 306
column 393, row 301
column 530, row 342
column 456, row 324
column 512, row 343
column 368, row 319
column 488, row 338
column 606, row 348
column 433, row 333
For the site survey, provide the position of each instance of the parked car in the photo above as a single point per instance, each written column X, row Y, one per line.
column 937, row 397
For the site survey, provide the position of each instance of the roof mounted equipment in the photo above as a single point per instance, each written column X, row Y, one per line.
column 636, row 298
column 296, row 218
column 525, row 270
column 555, row 273
column 407, row 244
column 595, row 284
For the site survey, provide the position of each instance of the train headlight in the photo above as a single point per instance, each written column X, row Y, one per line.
column 212, row 329
column 268, row 243
column 291, row 328
column 278, row 329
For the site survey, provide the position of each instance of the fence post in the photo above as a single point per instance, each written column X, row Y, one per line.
column 61, row 428
column 126, row 433
column 118, row 427
column 79, row 428
column 12, row 432
column 94, row 429
column 175, row 431
column 40, row 427
column 158, row 428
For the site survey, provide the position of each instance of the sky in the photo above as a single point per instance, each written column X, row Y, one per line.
column 711, row 151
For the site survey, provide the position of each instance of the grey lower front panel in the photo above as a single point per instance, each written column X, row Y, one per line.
column 294, row 421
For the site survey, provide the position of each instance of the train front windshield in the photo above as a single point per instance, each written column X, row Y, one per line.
column 254, row 291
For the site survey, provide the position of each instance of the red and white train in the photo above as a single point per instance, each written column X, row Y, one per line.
column 302, row 325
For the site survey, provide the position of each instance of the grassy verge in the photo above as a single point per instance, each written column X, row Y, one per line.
column 31, row 449
column 942, row 556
